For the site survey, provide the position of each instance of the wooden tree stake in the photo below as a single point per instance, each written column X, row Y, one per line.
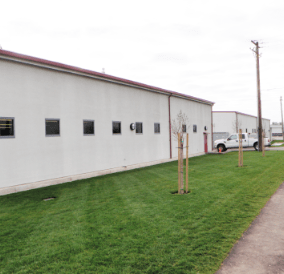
column 240, row 148
column 242, row 151
column 178, row 163
column 263, row 151
column 186, row 163
column 181, row 165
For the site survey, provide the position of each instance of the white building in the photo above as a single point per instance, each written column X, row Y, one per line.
column 61, row 123
column 227, row 122
column 276, row 131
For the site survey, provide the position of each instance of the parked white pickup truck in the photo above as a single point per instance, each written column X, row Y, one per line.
column 249, row 140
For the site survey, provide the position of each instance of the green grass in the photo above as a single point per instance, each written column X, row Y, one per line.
column 277, row 141
column 129, row 222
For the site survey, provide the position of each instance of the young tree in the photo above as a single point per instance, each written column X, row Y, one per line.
column 236, row 125
column 179, row 126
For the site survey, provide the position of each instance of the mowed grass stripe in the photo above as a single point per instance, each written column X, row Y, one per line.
column 129, row 222
column 52, row 227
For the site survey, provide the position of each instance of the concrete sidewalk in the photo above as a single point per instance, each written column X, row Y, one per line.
column 261, row 248
column 245, row 149
column 274, row 148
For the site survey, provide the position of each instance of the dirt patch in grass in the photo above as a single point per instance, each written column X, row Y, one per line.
column 48, row 199
column 176, row 192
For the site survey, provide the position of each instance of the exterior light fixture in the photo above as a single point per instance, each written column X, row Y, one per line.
column 132, row 126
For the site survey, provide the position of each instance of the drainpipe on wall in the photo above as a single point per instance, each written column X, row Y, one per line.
column 237, row 123
column 170, row 127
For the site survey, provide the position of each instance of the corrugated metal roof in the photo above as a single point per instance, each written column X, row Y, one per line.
column 4, row 54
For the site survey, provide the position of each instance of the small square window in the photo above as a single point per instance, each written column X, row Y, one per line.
column 194, row 128
column 156, row 127
column 52, row 127
column 183, row 128
column 139, row 127
column 7, row 127
column 116, row 127
column 89, row 127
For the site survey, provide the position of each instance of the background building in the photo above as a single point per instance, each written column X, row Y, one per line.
column 227, row 122
column 61, row 123
column 276, row 131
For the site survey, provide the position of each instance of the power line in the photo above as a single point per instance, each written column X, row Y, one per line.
column 272, row 88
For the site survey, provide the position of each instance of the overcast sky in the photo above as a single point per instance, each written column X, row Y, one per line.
column 200, row 48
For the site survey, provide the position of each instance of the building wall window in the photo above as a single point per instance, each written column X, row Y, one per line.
column 253, row 130
column 52, row 127
column 194, row 128
column 116, row 127
column 89, row 127
column 7, row 127
column 183, row 128
column 139, row 127
column 156, row 127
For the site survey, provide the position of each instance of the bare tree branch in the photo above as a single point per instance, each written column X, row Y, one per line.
column 236, row 126
column 177, row 124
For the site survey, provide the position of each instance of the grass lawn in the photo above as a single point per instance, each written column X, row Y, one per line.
column 129, row 222
column 274, row 142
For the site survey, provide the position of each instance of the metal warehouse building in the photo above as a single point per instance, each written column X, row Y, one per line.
column 277, row 131
column 60, row 123
column 227, row 122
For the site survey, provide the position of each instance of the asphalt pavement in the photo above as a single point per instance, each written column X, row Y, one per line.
column 261, row 248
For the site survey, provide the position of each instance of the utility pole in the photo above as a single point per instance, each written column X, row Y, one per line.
column 256, row 51
column 282, row 118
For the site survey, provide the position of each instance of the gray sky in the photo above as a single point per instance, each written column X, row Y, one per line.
column 200, row 48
